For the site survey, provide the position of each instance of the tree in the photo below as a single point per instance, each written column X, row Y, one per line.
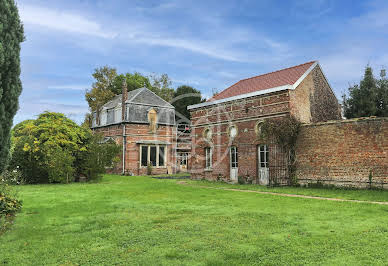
column 108, row 84
column 11, row 35
column 54, row 149
column 382, row 95
column 161, row 86
column 183, row 97
column 369, row 98
column 103, row 89
column 134, row 81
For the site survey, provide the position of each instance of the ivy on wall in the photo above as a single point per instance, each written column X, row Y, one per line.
column 284, row 132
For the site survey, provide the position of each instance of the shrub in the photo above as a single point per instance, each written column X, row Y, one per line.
column 149, row 169
column 98, row 156
column 12, row 177
column 54, row 149
column 9, row 205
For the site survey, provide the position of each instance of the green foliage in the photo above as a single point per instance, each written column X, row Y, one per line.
column 161, row 86
column 284, row 132
column 11, row 35
column 183, row 97
column 103, row 89
column 108, row 83
column 149, row 169
column 54, row 149
column 9, row 205
column 98, row 157
column 369, row 98
column 12, row 177
column 134, row 81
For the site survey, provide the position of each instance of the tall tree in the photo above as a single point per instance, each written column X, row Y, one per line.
column 11, row 35
column 382, row 95
column 134, row 81
column 361, row 101
column 183, row 97
column 161, row 85
column 103, row 89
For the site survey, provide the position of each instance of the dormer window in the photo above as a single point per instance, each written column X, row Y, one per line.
column 110, row 116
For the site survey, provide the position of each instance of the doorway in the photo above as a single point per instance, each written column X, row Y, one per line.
column 233, row 163
column 263, row 167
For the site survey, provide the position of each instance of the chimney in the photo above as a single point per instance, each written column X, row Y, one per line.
column 124, row 99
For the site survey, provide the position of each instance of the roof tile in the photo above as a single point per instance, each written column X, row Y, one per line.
column 287, row 76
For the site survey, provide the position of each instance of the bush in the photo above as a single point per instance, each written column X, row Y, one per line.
column 98, row 156
column 149, row 169
column 12, row 177
column 9, row 206
column 54, row 149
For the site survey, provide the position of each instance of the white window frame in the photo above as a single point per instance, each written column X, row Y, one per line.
column 183, row 157
column 149, row 155
column 208, row 158
column 264, row 156
column 235, row 162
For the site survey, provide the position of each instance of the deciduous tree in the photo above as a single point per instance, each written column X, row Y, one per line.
column 183, row 97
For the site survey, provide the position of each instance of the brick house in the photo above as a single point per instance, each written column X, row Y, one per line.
column 144, row 124
column 226, row 128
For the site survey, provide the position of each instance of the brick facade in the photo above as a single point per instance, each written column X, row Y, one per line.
column 343, row 153
column 135, row 135
column 245, row 114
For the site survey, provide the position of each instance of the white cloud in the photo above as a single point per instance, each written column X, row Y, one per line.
column 149, row 32
column 62, row 21
column 69, row 87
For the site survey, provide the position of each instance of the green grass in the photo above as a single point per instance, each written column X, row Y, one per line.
column 138, row 220
column 341, row 193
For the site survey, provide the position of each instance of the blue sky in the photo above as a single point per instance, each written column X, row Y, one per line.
column 205, row 44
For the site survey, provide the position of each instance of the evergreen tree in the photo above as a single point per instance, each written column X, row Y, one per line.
column 11, row 35
column 362, row 98
column 382, row 95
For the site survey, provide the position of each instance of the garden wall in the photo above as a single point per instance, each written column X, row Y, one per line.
column 344, row 152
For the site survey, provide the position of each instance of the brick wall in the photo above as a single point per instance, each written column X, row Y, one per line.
column 244, row 114
column 313, row 100
column 136, row 133
column 344, row 152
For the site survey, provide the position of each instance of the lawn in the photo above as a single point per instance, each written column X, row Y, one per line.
column 140, row 220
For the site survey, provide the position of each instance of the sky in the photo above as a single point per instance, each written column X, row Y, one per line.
column 205, row 44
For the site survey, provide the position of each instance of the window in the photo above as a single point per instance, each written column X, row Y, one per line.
column 183, row 158
column 161, row 155
column 153, row 155
column 144, row 155
column 208, row 158
column 233, row 157
column 110, row 116
column 263, row 156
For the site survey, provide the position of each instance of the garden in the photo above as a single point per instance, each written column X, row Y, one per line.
column 144, row 220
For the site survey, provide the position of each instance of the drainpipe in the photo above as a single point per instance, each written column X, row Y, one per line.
column 176, row 146
column 124, row 148
column 124, row 97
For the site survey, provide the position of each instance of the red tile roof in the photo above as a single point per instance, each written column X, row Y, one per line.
column 287, row 76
